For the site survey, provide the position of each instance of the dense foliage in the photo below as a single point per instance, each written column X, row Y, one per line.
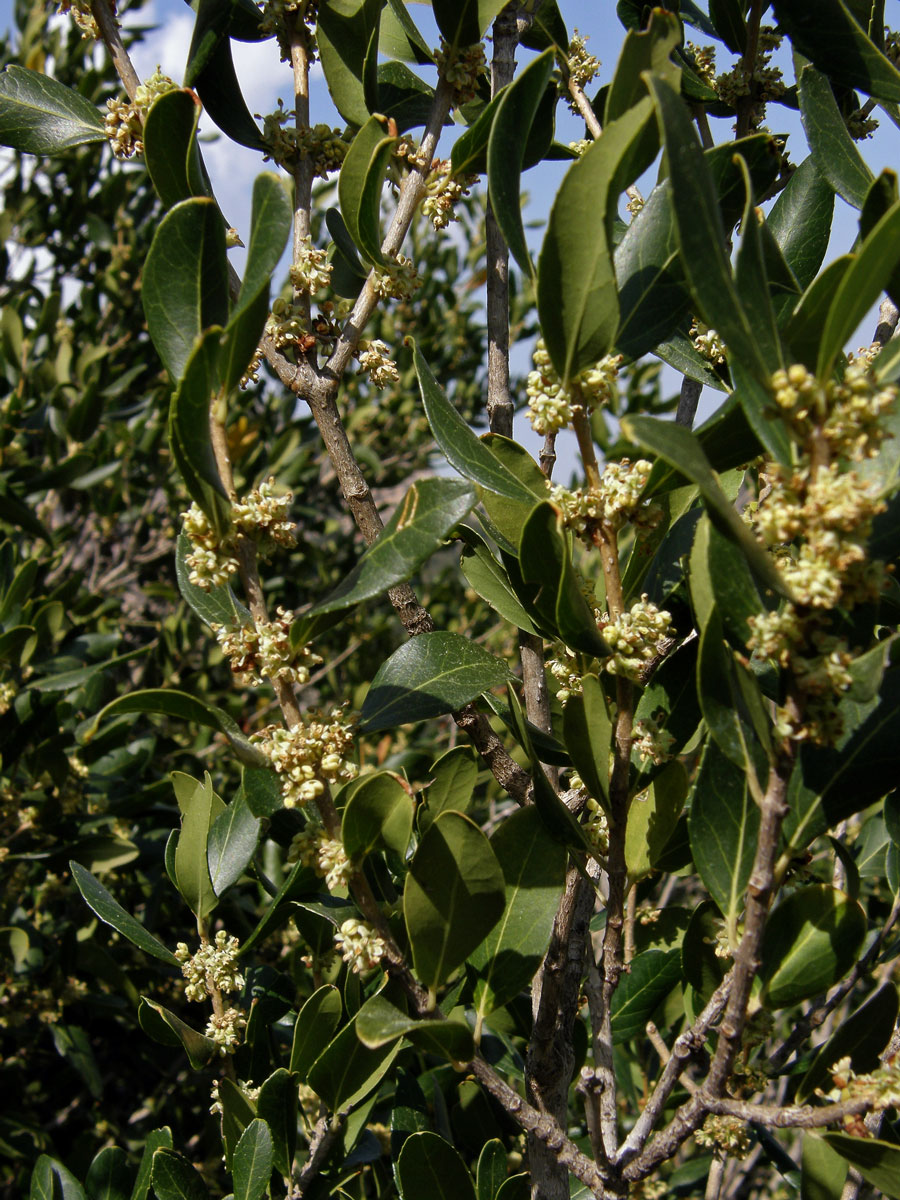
column 576, row 869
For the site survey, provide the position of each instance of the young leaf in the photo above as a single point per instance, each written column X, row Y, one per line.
column 314, row 1028
column 429, row 511
column 232, row 843
column 252, row 1162
column 429, row 675
column 40, row 115
column 812, row 939
column 507, row 146
column 378, row 1023
column 466, row 453
column 429, row 1166
column 454, row 895
column 724, row 825
column 185, row 281
column 169, row 1030
column 174, row 1178
column 191, row 857
column 109, row 911
column 378, row 815
column 534, row 870
column 861, row 1037
column 360, row 183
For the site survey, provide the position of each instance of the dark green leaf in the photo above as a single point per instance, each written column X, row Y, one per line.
column 752, row 282
column 534, row 870
column 232, row 844
column 730, row 25
column 652, row 295
column 812, row 939
column 803, row 331
column 156, row 1138
column 453, row 778
column 398, row 36
column 109, row 1176
column 824, row 1172
column 487, row 576
column 347, row 1071
column 252, row 1162
column 429, row 675
column 429, row 1166
column 344, row 34
column 831, row 147
column 360, row 183
column 724, row 825
column 454, row 895
column 506, row 152
column 587, row 731
column 378, row 815
column 50, row 1180
column 462, row 449
column 174, row 1178
column 463, row 22
column 189, row 431
column 102, row 903
column 827, row 34
column 701, row 966
column 652, row 976
column 169, row 1030
column 646, row 51
column 402, row 96
column 860, row 1037
column 379, row 1023
column 801, row 220
column 652, row 817
column 878, row 1162
column 429, row 511
column 40, row 115
column 170, row 147
column 314, row 1028
column 185, row 281
column 277, row 1106
column 490, row 1173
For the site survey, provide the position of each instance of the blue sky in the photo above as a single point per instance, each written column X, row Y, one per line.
column 264, row 79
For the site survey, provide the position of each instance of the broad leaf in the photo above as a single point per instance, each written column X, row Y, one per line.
column 252, row 1161
column 314, row 1028
column 360, row 184
column 40, row 115
column 378, row 815
column 801, row 220
column 171, row 151
column 189, row 430
column 192, row 873
column 219, row 605
column 174, row 1178
column 277, row 1106
column 454, row 895
column 824, row 1172
column 878, row 1162
column 812, row 939
column 453, row 778
column 429, row 1166
column 588, row 732
column 156, row 1139
column 347, row 1071
column 344, row 35
column 379, row 1023
column 652, row 817
column 652, row 976
column 490, row 1173
column 534, row 871
column 232, row 844
column 50, row 1180
column 860, row 1037
column 168, row 1029
column 109, row 1176
column 827, row 34
column 109, row 911
column 486, row 575
column 429, row 675
column 463, row 22
column 429, row 511
column 832, row 149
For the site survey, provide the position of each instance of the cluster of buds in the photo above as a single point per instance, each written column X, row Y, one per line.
column 651, row 741
column 462, row 70
column 551, row 407
column 375, row 360
column 311, row 756
column 881, row 1087
column 124, row 122
column 635, row 638
column 80, row 12
column 7, row 695
column 442, row 193
column 725, row 1136
column 251, row 374
column 214, row 968
column 261, row 516
column 761, row 81
column 278, row 17
column 323, row 854
column 310, row 271
column 264, row 651
column 580, row 145
column 287, row 144
column 359, row 945
column 225, row 1029
column 846, row 413
column 708, row 343
column 596, row 826
column 564, row 669
column 582, row 66
column 286, row 325
column 407, row 151
column 616, row 501
column 704, row 62
column 398, row 280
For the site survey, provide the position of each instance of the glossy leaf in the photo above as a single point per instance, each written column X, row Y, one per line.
column 398, row 36
column 828, row 35
column 652, row 817
column 379, row 1023
column 812, row 939
column 168, row 1029
column 174, row 1178
column 270, row 226
column 454, row 895
column 731, row 703
column 189, row 431
column 40, row 115
column 191, row 863
column 111, row 913
column 506, row 152
column 878, row 1162
column 652, row 293
column 360, row 183
column 155, row 1139
column 803, row 331
column 347, row 1071
column 182, row 707
column 252, row 1161
column 465, row 452
column 576, row 290
column 490, row 1172
column 185, row 281
column 861, row 1037
column 214, row 79
column 277, row 1106
column 670, row 700
column 860, row 288
column 344, row 34
column 378, row 815
column 50, row 1180
column 429, row 675
column 652, row 976
column 588, row 732
column 314, row 1028
column 453, row 777
column 724, row 824
column 534, row 871
column 801, row 220
column 109, row 1176
column 170, row 147
column 486, row 575
column 752, row 281
column 730, row 25
column 462, row 22
column 429, row 1166
column 824, row 1172
column 831, row 147
column 679, row 447
column 232, row 844
column 506, row 516
column 700, row 965
column 701, row 236
column 428, row 513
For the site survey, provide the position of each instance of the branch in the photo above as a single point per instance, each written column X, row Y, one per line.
column 102, row 13
column 323, row 1138
column 888, row 315
column 791, row 1116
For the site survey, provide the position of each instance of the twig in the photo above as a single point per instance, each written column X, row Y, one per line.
column 688, row 401
column 714, row 1179
column 888, row 315
column 323, row 1138
column 102, row 13
column 548, row 455
column 790, row 1116
column 581, row 102
column 747, row 68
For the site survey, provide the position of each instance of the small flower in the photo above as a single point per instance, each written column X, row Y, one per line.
column 462, row 69
column 725, row 1136
column 375, row 360
column 213, row 968
column 359, row 945
column 325, row 855
column 310, row 271
column 225, row 1030
column 310, row 756
column 651, row 741
column 708, row 343
column 397, row 280
column 263, row 651
column 634, row 638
